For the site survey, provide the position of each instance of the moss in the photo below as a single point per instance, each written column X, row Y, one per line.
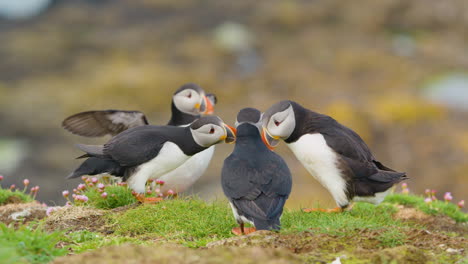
column 179, row 255
column 402, row 254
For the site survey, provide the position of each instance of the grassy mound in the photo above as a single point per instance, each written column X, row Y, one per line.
column 14, row 196
column 105, row 222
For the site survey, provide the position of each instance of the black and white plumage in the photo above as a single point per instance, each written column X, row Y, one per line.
column 148, row 152
column 188, row 102
column 256, row 181
column 332, row 153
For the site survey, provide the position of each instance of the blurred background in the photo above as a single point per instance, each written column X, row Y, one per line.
column 395, row 71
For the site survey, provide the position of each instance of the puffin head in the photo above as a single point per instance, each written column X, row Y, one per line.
column 278, row 122
column 251, row 116
column 191, row 99
column 210, row 130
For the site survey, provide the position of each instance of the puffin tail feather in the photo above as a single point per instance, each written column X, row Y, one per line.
column 91, row 150
column 388, row 176
column 95, row 166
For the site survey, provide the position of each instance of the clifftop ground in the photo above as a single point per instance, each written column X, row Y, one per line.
column 404, row 229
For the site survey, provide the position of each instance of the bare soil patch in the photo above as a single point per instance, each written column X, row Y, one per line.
column 20, row 213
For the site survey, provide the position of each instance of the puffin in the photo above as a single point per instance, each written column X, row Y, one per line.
column 148, row 152
column 256, row 181
column 332, row 153
column 188, row 103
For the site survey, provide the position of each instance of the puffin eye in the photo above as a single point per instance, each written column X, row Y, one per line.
column 277, row 123
column 212, row 130
column 189, row 95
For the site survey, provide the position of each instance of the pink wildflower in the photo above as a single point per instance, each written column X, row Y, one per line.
column 25, row 182
column 12, row 187
column 170, row 192
column 428, row 200
column 1, row 177
column 448, row 197
column 81, row 186
column 104, row 195
column 81, row 198
column 50, row 210
column 160, row 182
column 65, row 193
column 101, row 186
column 94, row 180
column 461, row 204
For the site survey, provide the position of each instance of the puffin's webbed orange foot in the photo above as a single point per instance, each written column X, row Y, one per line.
column 334, row 210
column 148, row 200
column 247, row 230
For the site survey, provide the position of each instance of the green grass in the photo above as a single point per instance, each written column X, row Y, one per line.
column 30, row 244
column 361, row 216
column 81, row 241
column 392, row 238
column 191, row 221
column 194, row 223
column 116, row 196
column 433, row 208
column 7, row 194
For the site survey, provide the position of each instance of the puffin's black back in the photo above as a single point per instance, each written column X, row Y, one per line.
column 256, row 180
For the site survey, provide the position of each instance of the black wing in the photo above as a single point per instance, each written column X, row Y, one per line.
column 372, row 171
column 103, row 122
column 138, row 145
column 345, row 141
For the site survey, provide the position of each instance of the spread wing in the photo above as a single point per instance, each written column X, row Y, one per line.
column 103, row 122
column 137, row 145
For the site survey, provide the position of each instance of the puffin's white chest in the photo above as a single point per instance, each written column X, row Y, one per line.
column 322, row 163
column 184, row 176
column 170, row 157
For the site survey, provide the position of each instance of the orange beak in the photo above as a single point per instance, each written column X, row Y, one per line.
column 265, row 140
column 231, row 134
column 209, row 109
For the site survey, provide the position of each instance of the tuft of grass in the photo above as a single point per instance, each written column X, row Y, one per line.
column 82, row 241
column 29, row 244
column 362, row 216
column 116, row 196
column 433, row 208
column 7, row 195
column 190, row 221
column 392, row 238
